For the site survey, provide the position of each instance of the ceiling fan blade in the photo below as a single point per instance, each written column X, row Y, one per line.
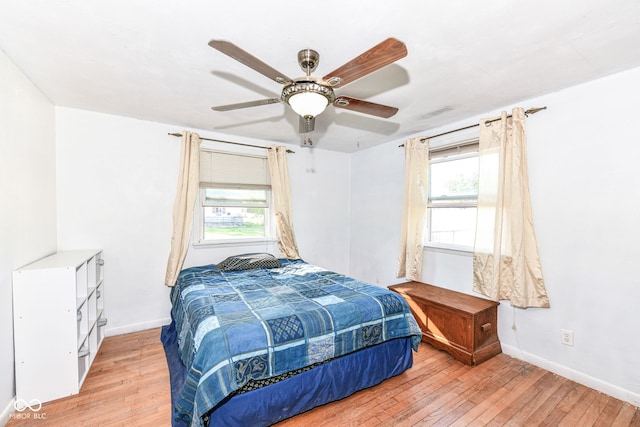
column 306, row 124
column 246, row 104
column 380, row 55
column 366, row 107
column 249, row 60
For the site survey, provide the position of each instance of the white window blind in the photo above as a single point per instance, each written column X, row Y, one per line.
column 226, row 170
column 454, row 150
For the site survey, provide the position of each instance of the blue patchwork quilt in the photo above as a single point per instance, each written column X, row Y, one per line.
column 238, row 326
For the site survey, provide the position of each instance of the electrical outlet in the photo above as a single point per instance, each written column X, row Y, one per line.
column 566, row 337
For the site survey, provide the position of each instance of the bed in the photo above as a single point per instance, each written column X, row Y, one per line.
column 255, row 342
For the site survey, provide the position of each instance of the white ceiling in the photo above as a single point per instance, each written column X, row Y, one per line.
column 149, row 59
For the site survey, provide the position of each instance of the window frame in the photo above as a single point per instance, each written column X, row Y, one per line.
column 198, row 228
column 441, row 154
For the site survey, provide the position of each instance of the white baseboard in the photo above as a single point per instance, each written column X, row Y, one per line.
column 579, row 377
column 127, row 329
column 5, row 415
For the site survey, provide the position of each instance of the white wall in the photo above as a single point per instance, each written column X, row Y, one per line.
column 320, row 192
column 28, row 194
column 116, row 181
column 584, row 157
column 116, row 185
column 376, row 208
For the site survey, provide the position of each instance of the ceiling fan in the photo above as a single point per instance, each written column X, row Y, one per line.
column 308, row 96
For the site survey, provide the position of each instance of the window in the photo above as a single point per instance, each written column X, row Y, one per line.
column 234, row 213
column 453, row 196
column 235, row 198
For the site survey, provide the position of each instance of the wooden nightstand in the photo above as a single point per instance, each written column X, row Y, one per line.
column 463, row 325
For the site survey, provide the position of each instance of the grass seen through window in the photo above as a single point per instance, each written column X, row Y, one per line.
column 247, row 230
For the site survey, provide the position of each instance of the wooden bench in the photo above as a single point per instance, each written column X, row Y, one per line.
column 463, row 325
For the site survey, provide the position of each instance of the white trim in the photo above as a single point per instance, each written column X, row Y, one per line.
column 10, row 409
column 225, row 243
column 137, row 327
column 579, row 377
column 446, row 247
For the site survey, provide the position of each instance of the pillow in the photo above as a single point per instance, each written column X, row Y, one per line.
column 249, row 262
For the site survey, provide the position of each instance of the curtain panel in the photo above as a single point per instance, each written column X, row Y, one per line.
column 188, row 184
column 281, row 189
column 506, row 264
column 414, row 210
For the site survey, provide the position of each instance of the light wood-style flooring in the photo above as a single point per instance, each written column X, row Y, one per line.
column 128, row 385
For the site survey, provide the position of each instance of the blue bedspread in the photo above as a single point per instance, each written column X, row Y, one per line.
column 237, row 326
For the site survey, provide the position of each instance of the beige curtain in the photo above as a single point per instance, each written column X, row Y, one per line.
column 279, row 171
column 188, row 182
column 506, row 265
column 414, row 210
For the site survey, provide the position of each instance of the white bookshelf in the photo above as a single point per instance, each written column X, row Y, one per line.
column 58, row 321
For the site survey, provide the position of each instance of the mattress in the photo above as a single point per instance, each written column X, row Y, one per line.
column 298, row 393
column 233, row 328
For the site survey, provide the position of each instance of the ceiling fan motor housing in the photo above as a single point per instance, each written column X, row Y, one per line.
column 308, row 60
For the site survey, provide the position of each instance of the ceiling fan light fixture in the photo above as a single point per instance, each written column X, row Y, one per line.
column 308, row 104
column 308, row 99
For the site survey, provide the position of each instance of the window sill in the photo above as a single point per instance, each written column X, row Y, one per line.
column 227, row 243
column 447, row 248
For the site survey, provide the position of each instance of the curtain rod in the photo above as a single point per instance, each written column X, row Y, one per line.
column 526, row 113
column 229, row 142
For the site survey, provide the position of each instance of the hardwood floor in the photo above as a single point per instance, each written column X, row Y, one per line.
column 128, row 385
